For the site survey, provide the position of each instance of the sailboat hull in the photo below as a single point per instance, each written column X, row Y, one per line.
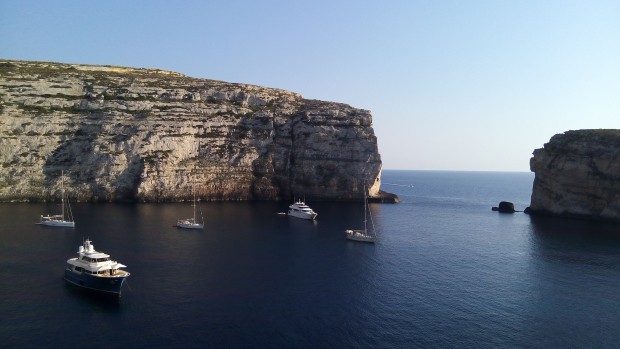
column 359, row 235
column 58, row 224
column 190, row 226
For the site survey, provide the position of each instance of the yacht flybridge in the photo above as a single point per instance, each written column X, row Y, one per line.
column 95, row 271
column 300, row 210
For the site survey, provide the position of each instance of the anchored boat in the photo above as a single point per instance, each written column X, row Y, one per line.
column 94, row 270
column 359, row 234
column 301, row 210
column 65, row 219
column 191, row 223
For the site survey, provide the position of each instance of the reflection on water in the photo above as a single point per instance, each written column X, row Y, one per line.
column 573, row 239
column 94, row 300
column 571, row 283
column 442, row 273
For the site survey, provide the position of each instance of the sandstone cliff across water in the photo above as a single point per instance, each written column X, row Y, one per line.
column 577, row 174
column 147, row 135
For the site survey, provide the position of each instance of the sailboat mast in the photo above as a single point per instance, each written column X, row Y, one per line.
column 365, row 228
column 194, row 190
column 62, row 193
column 371, row 221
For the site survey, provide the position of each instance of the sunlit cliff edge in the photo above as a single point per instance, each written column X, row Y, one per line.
column 127, row 134
column 577, row 174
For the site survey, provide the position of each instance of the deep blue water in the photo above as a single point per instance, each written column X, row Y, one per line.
column 445, row 272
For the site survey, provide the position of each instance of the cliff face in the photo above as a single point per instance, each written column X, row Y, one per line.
column 147, row 135
column 577, row 174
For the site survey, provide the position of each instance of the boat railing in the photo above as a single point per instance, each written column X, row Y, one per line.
column 114, row 273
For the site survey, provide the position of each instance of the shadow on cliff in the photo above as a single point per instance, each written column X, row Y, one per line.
column 86, row 162
column 76, row 156
column 128, row 181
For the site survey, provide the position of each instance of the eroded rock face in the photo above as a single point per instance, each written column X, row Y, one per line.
column 577, row 174
column 146, row 135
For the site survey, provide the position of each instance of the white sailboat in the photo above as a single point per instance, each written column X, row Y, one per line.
column 191, row 223
column 363, row 235
column 58, row 220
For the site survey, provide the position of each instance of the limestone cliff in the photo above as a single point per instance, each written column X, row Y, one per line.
column 147, row 135
column 577, row 174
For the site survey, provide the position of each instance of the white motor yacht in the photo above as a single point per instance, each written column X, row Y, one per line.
column 300, row 210
column 95, row 271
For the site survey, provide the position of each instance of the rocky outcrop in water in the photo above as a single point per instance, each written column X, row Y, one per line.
column 577, row 174
column 504, row 207
column 148, row 135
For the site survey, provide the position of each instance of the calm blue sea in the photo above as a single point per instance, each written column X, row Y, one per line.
column 445, row 272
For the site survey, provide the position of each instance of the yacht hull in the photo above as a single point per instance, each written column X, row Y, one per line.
column 106, row 284
column 301, row 215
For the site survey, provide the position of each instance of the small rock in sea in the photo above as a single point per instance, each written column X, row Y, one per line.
column 505, row 207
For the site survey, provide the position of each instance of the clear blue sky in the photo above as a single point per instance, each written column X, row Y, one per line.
column 452, row 85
